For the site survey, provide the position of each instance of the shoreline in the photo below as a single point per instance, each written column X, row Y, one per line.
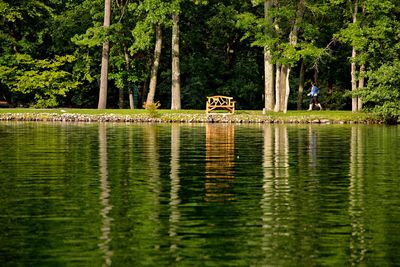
column 179, row 118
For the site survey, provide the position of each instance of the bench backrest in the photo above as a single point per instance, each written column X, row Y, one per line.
column 220, row 100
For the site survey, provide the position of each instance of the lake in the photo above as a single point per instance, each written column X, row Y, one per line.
column 199, row 195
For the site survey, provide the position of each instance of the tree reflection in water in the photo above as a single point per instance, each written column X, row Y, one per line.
column 357, row 197
column 105, row 197
column 276, row 172
column 175, row 185
column 312, row 150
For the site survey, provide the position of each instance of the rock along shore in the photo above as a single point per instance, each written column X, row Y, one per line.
column 167, row 118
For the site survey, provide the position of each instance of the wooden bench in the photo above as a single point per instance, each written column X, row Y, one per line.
column 4, row 104
column 220, row 102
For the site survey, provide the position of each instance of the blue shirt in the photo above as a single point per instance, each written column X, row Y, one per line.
column 314, row 91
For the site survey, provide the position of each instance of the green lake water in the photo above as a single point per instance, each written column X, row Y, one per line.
column 199, row 195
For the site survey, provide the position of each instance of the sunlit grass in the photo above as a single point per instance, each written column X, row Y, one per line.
column 291, row 115
column 96, row 111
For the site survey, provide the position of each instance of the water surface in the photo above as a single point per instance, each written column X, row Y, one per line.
column 199, row 195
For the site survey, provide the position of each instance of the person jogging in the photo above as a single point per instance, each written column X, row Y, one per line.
column 314, row 97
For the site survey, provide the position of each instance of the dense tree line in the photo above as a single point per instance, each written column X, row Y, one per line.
column 264, row 53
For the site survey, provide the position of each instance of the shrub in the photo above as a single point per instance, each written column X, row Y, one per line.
column 382, row 96
column 152, row 109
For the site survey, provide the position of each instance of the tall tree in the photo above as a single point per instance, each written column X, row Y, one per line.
column 130, row 88
column 268, row 64
column 301, row 86
column 122, row 6
column 293, row 39
column 176, row 73
column 354, row 102
column 155, row 65
column 357, row 81
column 153, row 16
column 283, row 87
column 377, row 37
column 287, row 20
column 104, row 59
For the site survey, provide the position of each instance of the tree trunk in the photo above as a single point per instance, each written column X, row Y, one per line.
column 268, row 81
column 283, row 88
column 156, row 64
column 176, row 74
column 301, row 86
column 277, row 88
column 361, row 81
column 145, row 90
column 121, row 98
column 287, row 91
column 131, row 100
column 104, row 59
column 127, row 68
column 361, row 84
column 354, row 100
column 315, row 74
column 268, row 69
column 296, row 26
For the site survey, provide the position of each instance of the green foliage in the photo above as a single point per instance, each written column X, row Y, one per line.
column 148, row 13
column 273, row 33
column 382, row 95
column 45, row 81
column 9, row 13
column 337, row 100
column 244, row 84
column 94, row 36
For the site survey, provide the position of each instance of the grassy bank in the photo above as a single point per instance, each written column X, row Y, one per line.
column 161, row 115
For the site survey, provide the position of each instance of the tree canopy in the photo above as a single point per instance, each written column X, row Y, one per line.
column 50, row 51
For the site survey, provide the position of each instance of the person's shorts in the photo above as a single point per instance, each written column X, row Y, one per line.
column 314, row 100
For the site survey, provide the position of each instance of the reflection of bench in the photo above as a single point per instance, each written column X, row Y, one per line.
column 220, row 102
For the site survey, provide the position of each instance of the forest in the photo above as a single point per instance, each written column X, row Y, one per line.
column 263, row 53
